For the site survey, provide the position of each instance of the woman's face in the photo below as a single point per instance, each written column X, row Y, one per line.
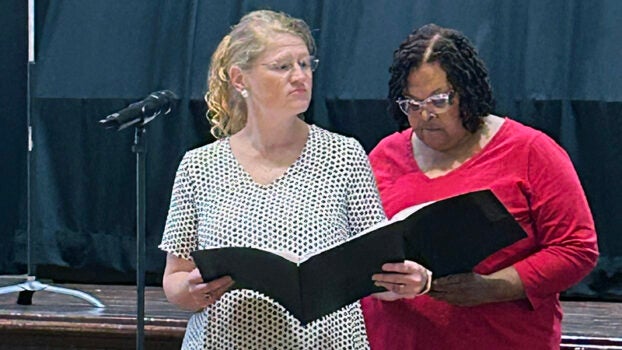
column 280, row 80
column 445, row 131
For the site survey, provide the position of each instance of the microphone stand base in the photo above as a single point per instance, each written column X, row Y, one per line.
column 31, row 285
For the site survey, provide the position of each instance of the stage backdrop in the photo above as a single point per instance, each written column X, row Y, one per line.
column 554, row 65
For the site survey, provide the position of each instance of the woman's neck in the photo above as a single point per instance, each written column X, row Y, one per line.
column 266, row 150
column 272, row 135
column 437, row 163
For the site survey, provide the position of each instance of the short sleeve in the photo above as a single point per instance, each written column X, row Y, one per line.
column 180, row 231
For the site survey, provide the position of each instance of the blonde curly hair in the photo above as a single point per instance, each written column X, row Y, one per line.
column 226, row 109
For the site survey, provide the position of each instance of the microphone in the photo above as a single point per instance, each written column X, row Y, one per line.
column 142, row 112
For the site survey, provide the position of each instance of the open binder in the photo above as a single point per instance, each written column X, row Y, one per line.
column 447, row 236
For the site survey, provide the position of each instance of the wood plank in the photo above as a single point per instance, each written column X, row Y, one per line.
column 586, row 325
column 57, row 321
column 591, row 325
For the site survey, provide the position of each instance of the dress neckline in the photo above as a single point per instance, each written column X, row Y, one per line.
column 290, row 170
column 492, row 141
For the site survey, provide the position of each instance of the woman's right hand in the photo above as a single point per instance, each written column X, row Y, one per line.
column 184, row 286
column 206, row 294
column 402, row 280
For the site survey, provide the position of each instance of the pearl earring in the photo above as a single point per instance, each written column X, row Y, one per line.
column 244, row 93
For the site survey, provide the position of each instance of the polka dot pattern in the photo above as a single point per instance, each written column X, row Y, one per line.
column 326, row 196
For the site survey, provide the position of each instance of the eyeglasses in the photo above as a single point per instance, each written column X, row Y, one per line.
column 307, row 65
column 438, row 103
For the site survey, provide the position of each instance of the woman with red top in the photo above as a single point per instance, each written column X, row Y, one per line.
column 452, row 144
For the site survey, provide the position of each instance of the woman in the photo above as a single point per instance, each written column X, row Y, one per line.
column 439, row 88
column 272, row 182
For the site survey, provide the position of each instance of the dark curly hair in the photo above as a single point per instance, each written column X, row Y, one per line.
column 465, row 71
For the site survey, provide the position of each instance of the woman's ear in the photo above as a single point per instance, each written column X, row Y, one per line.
column 237, row 78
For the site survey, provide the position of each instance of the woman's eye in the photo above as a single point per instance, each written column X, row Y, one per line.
column 284, row 66
column 439, row 102
column 414, row 106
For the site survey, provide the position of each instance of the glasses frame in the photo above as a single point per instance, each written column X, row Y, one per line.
column 406, row 104
column 286, row 67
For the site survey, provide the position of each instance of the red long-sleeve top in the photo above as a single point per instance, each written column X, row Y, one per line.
column 535, row 179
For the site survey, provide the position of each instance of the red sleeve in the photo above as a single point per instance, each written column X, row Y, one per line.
column 563, row 224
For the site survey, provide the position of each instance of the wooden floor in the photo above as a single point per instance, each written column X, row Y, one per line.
column 56, row 321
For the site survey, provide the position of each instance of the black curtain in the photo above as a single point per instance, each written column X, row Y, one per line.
column 553, row 65
column 13, row 131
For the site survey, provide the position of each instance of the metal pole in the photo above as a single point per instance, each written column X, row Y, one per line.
column 140, row 149
column 29, row 85
column 30, row 286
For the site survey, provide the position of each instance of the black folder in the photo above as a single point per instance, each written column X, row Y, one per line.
column 447, row 236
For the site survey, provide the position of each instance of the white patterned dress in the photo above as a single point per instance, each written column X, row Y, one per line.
column 326, row 196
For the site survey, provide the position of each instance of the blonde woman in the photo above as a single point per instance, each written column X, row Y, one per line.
column 270, row 181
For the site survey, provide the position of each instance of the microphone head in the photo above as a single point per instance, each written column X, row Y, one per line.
column 163, row 101
column 110, row 121
column 142, row 112
column 166, row 94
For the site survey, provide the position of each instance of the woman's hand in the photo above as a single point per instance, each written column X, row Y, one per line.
column 464, row 289
column 471, row 289
column 403, row 280
column 206, row 294
column 184, row 286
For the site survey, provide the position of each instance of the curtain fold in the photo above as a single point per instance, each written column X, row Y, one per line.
column 553, row 65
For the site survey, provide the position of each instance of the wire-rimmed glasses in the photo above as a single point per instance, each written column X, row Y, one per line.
column 307, row 65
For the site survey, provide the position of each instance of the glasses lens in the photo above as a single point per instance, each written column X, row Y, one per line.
column 414, row 106
column 281, row 67
column 440, row 101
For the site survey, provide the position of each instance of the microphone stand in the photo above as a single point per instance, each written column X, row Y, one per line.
column 140, row 148
column 27, row 288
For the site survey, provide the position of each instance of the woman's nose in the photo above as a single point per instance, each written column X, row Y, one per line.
column 298, row 73
column 427, row 115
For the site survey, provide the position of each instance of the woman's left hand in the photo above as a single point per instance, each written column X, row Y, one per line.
column 471, row 289
column 464, row 289
column 402, row 280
